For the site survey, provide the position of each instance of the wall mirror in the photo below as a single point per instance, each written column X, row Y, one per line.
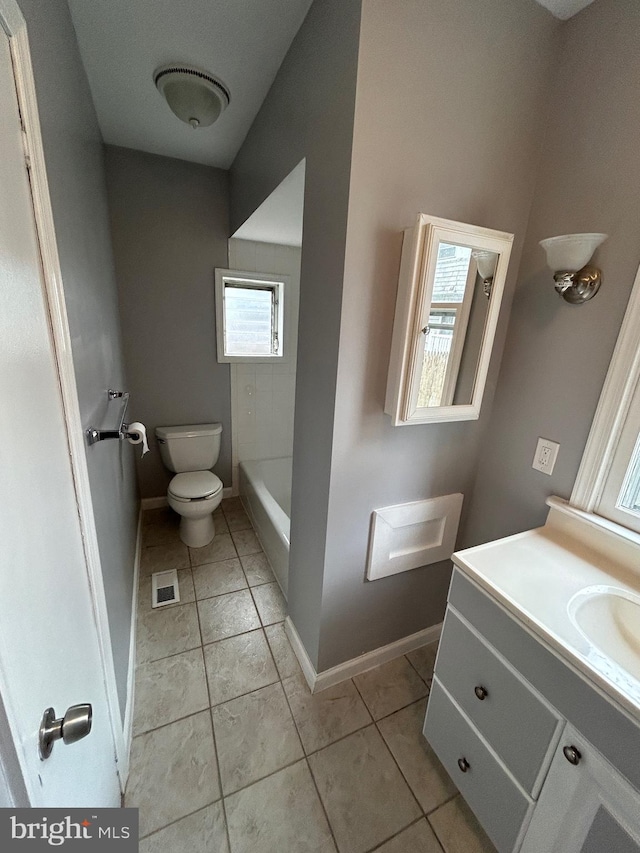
column 450, row 288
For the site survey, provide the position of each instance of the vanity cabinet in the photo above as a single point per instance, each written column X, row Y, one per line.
column 585, row 806
column 507, row 719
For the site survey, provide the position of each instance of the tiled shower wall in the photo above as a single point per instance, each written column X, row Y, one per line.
column 262, row 395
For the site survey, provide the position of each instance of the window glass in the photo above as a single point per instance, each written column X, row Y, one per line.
column 451, row 273
column 249, row 316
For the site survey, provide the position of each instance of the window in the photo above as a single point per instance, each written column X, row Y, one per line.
column 250, row 313
column 620, row 498
column 608, row 482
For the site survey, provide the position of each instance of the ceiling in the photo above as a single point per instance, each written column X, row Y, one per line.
column 243, row 42
column 122, row 42
column 565, row 9
column 279, row 217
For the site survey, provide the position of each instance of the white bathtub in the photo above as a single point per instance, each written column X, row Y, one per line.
column 265, row 489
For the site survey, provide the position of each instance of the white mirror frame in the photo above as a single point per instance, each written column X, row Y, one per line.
column 619, row 386
column 419, row 258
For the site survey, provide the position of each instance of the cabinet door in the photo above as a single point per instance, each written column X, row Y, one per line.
column 585, row 805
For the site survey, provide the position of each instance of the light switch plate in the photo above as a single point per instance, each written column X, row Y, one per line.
column 545, row 455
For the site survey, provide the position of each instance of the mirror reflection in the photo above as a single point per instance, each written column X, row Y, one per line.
column 453, row 334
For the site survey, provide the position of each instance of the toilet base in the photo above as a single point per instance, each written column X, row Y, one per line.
column 197, row 532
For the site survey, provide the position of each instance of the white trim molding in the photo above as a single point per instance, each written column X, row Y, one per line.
column 318, row 681
column 15, row 26
column 613, row 407
column 123, row 765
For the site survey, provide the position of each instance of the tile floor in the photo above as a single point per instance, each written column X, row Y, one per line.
column 233, row 754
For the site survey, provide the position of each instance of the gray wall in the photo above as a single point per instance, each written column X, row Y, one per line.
column 556, row 354
column 448, row 119
column 169, row 222
column 309, row 113
column 74, row 158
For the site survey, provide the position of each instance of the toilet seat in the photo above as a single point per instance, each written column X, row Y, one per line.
column 195, row 486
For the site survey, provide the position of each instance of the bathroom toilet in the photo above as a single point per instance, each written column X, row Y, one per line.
column 195, row 492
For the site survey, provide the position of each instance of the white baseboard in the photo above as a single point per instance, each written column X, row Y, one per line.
column 153, row 503
column 158, row 503
column 131, row 678
column 321, row 680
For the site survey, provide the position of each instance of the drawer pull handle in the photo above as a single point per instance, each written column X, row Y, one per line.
column 481, row 692
column 572, row 754
column 463, row 764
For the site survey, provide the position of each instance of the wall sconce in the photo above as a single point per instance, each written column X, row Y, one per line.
column 568, row 257
column 486, row 263
column 195, row 97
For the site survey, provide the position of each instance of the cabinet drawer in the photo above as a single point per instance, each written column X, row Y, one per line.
column 519, row 725
column 500, row 805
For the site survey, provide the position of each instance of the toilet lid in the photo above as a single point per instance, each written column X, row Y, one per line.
column 195, row 484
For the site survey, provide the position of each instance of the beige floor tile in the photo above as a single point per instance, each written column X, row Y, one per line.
column 418, row 838
column 255, row 736
column 366, row 798
column 280, row 814
column 423, row 659
column 202, row 832
column 159, row 516
column 458, row 829
column 427, row 778
column 227, row 615
column 167, row 631
column 218, row 578
column 238, row 520
column 173, row 772
column 238, row 665
column 390, row 687
column 169, row 689
column 164, row 532
column 257, row 569
column 283, row 654
column 220, row 548
column 246, row 542
column 231, row 505
column 185, row 583
column 324, row 717
column 270, row 603
column 161, row 558
column 220, row 523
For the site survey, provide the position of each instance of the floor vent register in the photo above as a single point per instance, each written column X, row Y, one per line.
column 164, row 588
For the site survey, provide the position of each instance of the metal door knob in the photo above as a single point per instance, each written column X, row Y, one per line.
column 463, row 764
column 572, row 754
column 75, row 725
column 481, row 692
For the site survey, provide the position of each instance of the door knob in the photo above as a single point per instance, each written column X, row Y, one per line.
column 75, row 725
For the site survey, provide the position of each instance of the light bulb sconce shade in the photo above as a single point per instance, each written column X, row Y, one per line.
column 194, row 96
column 486, row 263
column 568, row 257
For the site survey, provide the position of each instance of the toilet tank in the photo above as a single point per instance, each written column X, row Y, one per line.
column 193, row 447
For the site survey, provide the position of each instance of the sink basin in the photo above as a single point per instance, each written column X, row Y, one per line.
column 609, row 618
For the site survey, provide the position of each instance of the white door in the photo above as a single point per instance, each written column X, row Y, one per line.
column 49, row 649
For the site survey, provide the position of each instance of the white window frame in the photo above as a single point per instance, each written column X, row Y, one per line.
column 609, row 447
column 280, row 285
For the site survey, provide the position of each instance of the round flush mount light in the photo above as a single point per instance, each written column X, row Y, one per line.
column 194, row 96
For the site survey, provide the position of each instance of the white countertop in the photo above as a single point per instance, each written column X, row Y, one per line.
column 536, row 574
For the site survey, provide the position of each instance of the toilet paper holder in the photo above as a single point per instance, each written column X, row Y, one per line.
column 95, row 435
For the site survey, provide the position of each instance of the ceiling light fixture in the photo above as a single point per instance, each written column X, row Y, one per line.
column 568, row 258
column 195, row 96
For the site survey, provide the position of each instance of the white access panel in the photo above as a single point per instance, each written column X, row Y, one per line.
column 409, row 535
